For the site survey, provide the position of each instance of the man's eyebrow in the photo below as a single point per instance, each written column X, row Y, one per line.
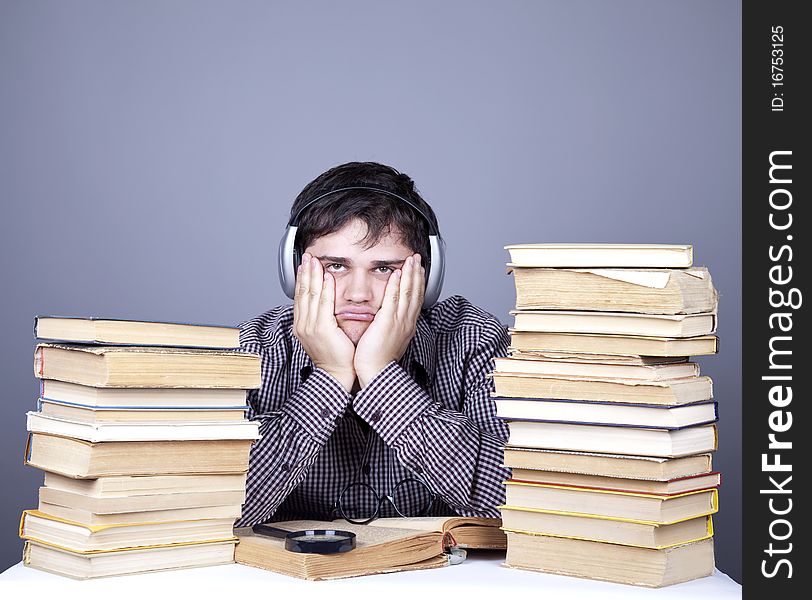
column 388, row 263
column 377, row 263
column 336, row 259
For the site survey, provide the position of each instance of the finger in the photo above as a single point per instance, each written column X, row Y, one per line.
column 405, row 290
column 302, row 296
column 316, row 287
column 419, row 288
column 327, row 301
column 391, row 294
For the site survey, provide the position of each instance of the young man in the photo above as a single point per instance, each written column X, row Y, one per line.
column 366, row 393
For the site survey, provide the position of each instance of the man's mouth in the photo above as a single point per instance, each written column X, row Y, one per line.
column 355, row 315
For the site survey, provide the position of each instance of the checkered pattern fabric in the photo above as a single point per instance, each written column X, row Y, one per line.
column 428, row 416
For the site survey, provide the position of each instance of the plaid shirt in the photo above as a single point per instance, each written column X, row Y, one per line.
column 428, row 416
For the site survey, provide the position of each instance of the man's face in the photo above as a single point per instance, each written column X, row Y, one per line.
column 360, row 274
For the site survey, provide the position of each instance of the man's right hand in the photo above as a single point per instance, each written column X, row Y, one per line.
column 315, row 325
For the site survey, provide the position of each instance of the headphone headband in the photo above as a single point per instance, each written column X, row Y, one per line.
column 295, row 220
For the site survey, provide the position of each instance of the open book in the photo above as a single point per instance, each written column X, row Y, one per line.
column 383, row 546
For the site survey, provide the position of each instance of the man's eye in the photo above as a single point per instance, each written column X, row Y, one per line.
column 333, row 267
column 383, row 269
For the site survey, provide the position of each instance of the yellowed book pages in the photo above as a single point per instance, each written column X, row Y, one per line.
column 87, row 517
column 146, row 485
column 147, row 367
column 608, row 465
column 612, row 504
column 611, row 562
column 127, row 332
column 670, row 392
column 86, row 460
column 111, row 505
column 601, row 255
column 92, row 415
column 663, row 291
column 645, row 486
column 123, row 562
column 622, row 345
column 88, row 539
column 614, row 531
column 614, row 323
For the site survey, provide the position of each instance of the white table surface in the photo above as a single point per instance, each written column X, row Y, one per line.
column 480, row 576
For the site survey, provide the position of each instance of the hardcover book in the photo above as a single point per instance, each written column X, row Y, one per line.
column 90, row 565
column 130, row 398
column 606, row 369
column 608, row 465
column 675, row 485
column 612, row 531
column 92, row 330
column 147, row 367
column 615, row 323
column 611, row 562
column 618, row 414
column 76, row 537
column 670, row 392
column 637, row 506
column 601, row 255
column 139, row 432
column 618, row 345
column 664, row 291
column 97, row 415
column 666, row 443
column 87, row 460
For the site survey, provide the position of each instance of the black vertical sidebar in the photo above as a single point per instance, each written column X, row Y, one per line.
column 775, row 369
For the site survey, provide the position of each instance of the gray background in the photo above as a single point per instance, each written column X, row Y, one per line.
column 149, row 153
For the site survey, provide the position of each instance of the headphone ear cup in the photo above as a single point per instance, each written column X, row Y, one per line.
column 287, row 262
column 436, row 272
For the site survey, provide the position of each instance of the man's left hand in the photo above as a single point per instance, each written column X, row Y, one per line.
column 393, row 327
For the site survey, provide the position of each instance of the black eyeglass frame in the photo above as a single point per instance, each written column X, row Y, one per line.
column 381, row 498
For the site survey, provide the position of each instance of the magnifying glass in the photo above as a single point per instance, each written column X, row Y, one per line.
column 311, row 541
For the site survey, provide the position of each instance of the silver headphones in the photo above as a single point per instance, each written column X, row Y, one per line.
column 290, row 256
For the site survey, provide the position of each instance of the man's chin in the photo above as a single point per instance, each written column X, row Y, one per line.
column 354, row 329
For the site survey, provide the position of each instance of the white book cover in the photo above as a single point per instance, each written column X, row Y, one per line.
column 109, row 432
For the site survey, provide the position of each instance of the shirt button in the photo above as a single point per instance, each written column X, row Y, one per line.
column 285, row 467
column 325, row 412
column 376, row 416
column 418, row 469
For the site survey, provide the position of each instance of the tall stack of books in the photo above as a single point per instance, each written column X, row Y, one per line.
column 142, row 435
column 611, row 426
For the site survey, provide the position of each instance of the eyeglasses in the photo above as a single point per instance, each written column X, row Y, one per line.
column 360, row 503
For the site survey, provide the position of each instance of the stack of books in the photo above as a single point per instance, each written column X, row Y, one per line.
column 142, row 435
column 611, row 426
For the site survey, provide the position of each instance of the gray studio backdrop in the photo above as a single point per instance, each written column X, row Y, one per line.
column 149, row 153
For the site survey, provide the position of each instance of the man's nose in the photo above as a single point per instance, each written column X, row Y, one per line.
column 358, row 286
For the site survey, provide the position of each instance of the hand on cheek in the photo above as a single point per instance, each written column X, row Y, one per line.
column 393, row 327
column 314, row 322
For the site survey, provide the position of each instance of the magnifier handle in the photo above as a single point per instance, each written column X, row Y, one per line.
column 268, row 530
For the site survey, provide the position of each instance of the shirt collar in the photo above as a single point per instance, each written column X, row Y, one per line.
column 421, row 350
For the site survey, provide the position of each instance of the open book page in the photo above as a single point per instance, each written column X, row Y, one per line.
column 466, row 532
column 365, row 535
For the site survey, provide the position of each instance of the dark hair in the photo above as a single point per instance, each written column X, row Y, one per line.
column 382, row 214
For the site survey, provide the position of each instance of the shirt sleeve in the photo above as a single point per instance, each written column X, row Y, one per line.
column 292, row 438
column 458, row 453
